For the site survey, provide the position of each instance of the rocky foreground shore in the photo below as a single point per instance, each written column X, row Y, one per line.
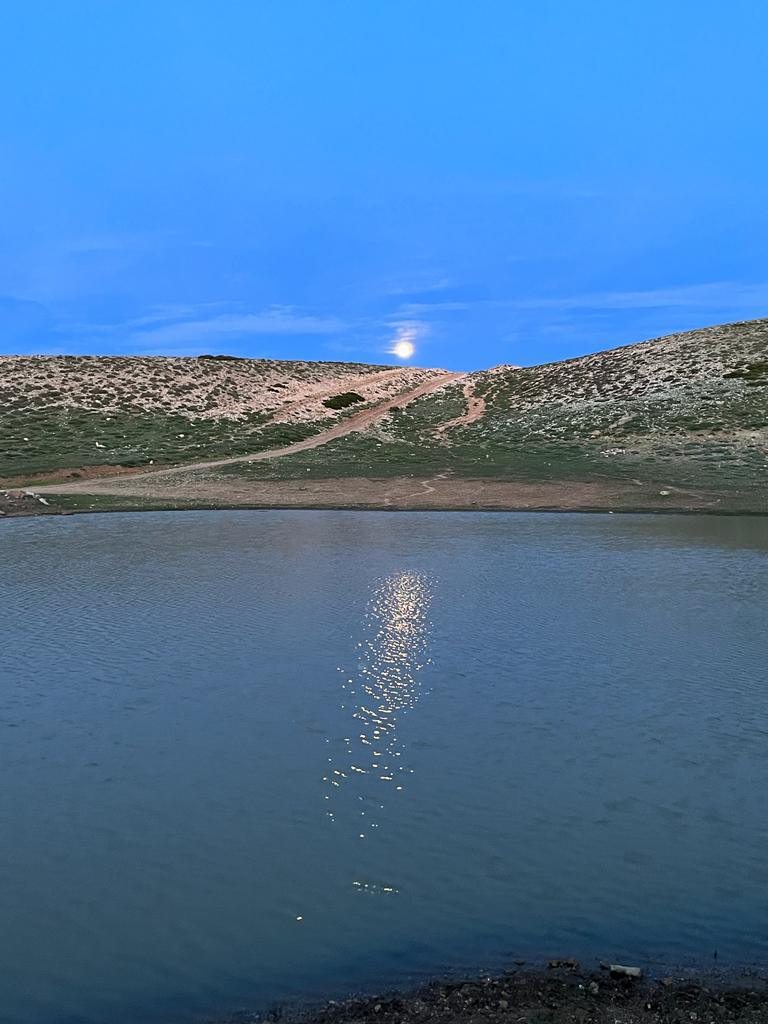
column 561, row 994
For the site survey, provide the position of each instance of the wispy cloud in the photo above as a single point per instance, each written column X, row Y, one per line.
column 114, row 242
column 715, row 295
column 192, row 328
column 174, row 313
column 228, row 326
column 156, row 317
column 415, row 309
column 418, row 283
column 406, row 332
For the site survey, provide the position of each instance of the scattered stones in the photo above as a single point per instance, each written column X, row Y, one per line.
column 570, row 964
column 541, row 998
column 15, row 502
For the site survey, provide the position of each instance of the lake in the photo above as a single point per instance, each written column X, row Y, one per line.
column 250, row 757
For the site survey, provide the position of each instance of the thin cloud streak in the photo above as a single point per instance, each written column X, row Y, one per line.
column 415, row 309
column 278, row 320
column 713, row 295
column 192, row 328
column 408, row 332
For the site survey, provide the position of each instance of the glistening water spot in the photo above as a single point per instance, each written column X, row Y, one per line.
column 574, row 707
column 370, row 765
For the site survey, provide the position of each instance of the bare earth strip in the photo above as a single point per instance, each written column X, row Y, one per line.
column 137, row 483
column 191, row 483
column 475, row 409
column 403, row 493
column 321, row 391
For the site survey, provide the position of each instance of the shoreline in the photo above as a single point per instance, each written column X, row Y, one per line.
column 438, row 493
column 533, row 510
column 562, row 993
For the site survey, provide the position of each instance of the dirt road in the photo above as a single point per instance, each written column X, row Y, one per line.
column 325, row 390
column 356, row 422
column 475, row 409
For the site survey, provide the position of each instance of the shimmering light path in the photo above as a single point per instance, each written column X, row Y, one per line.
column 372, row 766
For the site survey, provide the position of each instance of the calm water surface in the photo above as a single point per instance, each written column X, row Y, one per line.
column 249, row 757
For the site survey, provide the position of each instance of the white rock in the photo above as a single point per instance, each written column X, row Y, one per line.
column 627, row 972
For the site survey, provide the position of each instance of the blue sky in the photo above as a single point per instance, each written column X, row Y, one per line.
column 500, row 181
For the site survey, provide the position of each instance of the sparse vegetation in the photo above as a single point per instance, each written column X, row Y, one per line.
column 687, row 411
column 677, row 411
column 753, row 373
column 67, row 412
column 343, row 401
column 231, row 359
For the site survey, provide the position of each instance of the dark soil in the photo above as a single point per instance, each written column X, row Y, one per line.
column 561, row 995
column 73, row 473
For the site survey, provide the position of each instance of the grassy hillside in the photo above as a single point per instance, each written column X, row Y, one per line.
column 69, row 411
column 705, row 382
column 687, row 410
column 686, row 413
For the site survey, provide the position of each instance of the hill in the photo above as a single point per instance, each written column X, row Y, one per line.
column 80, row 411
column 687, row 411
column 679, row 422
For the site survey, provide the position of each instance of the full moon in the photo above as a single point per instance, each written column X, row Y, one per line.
column 403, row 350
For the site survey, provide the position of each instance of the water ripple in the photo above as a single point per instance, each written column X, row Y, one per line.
column 384, row 688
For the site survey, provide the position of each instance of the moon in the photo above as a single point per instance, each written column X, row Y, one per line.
column 403, row 350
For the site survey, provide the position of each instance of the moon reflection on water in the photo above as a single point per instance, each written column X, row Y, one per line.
column 385, row 686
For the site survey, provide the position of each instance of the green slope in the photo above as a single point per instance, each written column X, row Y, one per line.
column 688, row 410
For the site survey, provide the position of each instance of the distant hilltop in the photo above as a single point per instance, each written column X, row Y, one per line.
column 199, row 387
column 686, row 413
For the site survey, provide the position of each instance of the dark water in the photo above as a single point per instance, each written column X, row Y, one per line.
column 256, row 756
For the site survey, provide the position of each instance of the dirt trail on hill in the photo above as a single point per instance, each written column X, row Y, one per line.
column 359, row 421
column 329, row 390
column 475, row 409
